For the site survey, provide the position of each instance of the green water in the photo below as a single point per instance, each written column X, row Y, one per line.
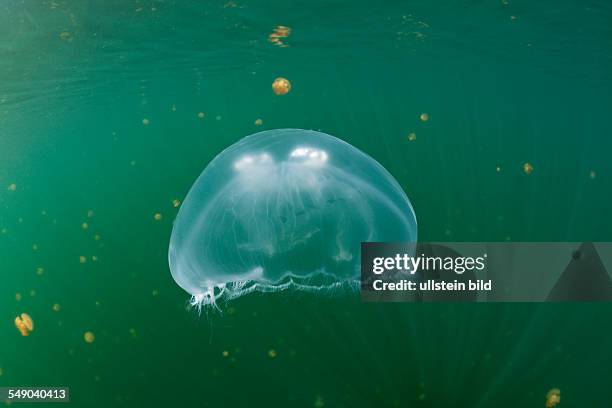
column 503, row 84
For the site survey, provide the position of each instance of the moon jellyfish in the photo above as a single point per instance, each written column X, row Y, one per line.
column 284, row 209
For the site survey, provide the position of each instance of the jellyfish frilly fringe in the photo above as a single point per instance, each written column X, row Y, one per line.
column 219, row 294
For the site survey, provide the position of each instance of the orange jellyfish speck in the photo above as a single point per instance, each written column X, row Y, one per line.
column 89, row 337
column 24, row 324
column 281, row 86
column 553, row 397
column 278, row 33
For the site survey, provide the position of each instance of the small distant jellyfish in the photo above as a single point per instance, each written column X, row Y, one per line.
column 258, row 122
column 89, row 337
column 282, row 31
column 284, row 209
column 201, row 115
column 281, row 86
column 146, row 121
column 24, row 324
column 527, row 168
column 553, row 397
column 278, row 33
column 424, row 117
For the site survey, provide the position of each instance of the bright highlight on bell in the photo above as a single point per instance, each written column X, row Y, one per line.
column 284, row 209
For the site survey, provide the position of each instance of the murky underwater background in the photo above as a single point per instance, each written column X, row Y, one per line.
column 100, row 132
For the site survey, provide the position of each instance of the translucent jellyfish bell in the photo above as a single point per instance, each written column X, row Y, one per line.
column 283, row 209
